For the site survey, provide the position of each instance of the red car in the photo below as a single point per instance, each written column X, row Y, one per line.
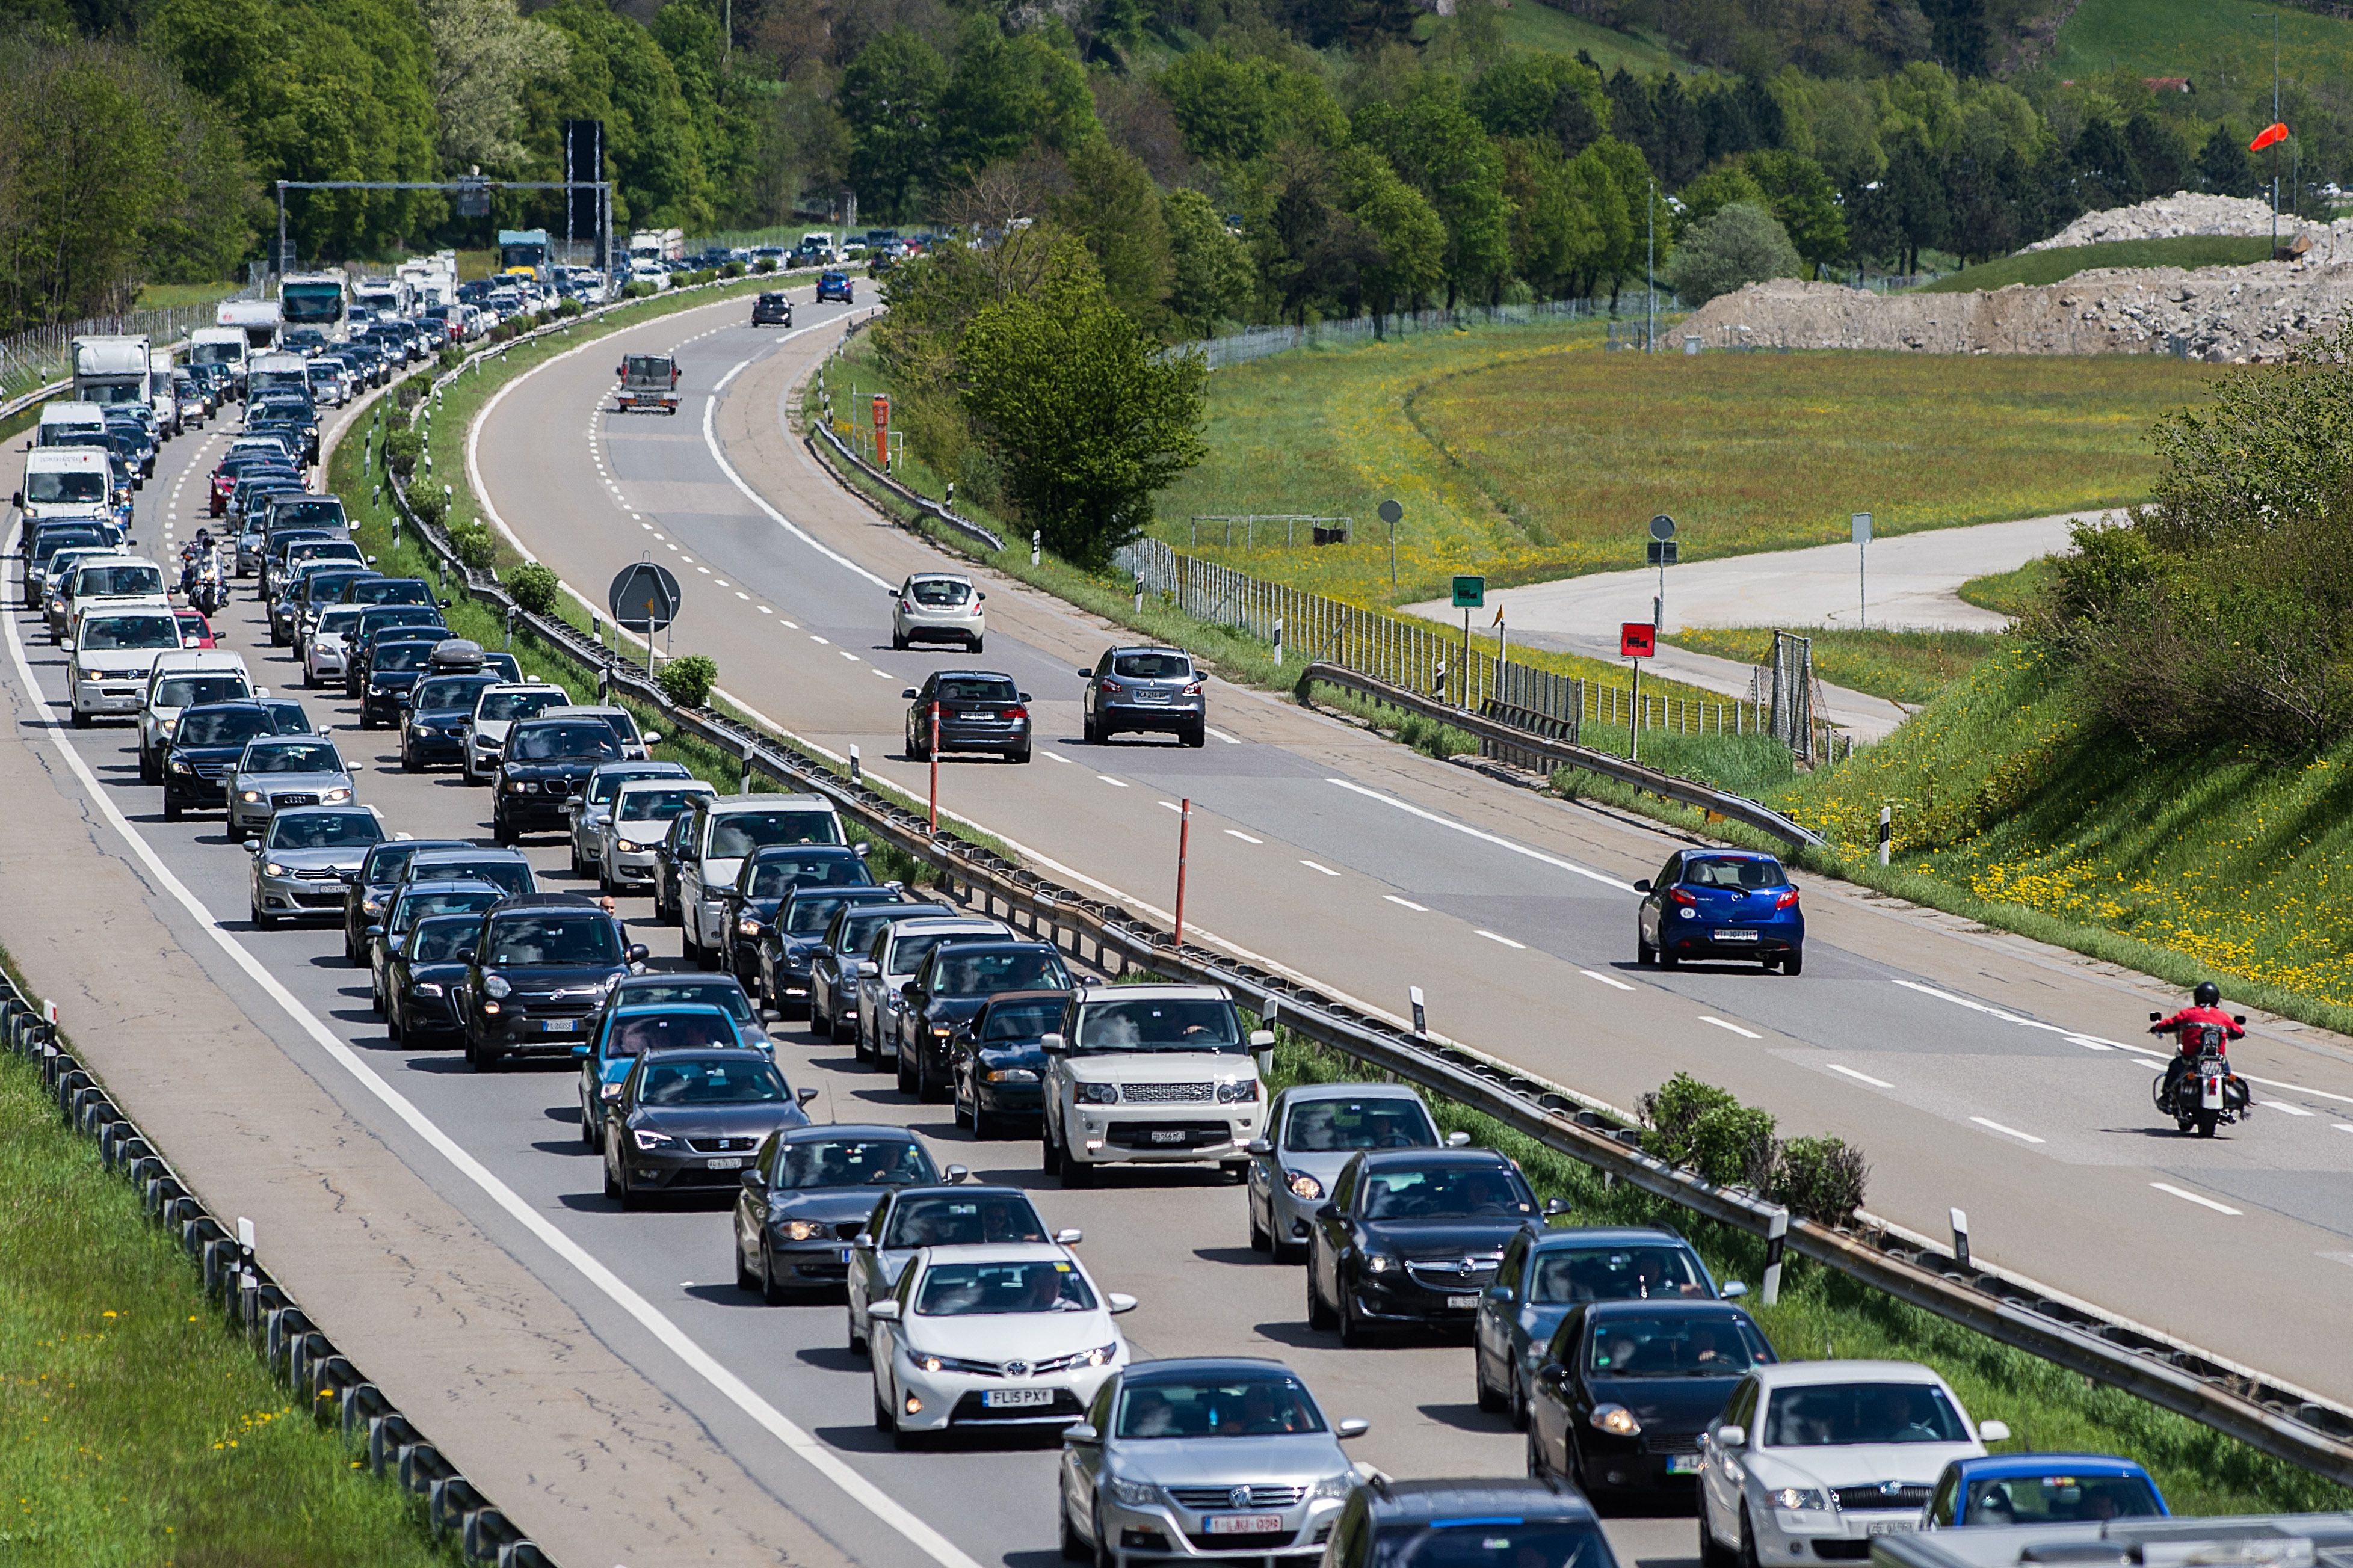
column 195, row 630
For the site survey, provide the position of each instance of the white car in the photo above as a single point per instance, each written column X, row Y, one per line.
column 592, row 808
column 325, row 654
column 1812, row 1459
column 107, row 676
column 642, row 813
column 1011, row 1336
column 177, row 681
column 938, row 606
column 495, row 713
column 1152, row 1074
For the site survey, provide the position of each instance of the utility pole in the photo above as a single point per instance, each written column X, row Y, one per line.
column 1651, row 263
column 2275, row 120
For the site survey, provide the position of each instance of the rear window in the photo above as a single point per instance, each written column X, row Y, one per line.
column 1740, row 876
column 938, row 591
column 1152, row 666
column 976, row 689
column 739, row 833
column 187, row 690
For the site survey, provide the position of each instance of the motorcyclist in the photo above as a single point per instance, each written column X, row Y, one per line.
column 2188, row 1028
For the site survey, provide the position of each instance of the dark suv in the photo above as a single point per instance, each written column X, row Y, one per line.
column 953, row 984
column 1152, row 690
column 1484, row 1522
column 979, row 710
column 544, row 963
column 546, row 763
column 772, row 309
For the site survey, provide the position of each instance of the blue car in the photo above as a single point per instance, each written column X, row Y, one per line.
column 1715, row 904
column 624, row 1034
column 2042, row 1488
column 833, row 284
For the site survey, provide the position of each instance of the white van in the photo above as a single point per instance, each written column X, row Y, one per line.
column 60, row 420
column 67, row 482
column 220, row 345
column 108, row 672
column 161, row 395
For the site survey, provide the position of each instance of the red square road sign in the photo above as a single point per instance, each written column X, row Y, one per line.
column 1636, row 639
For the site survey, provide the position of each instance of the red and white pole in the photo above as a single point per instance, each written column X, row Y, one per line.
column 935, row 769
column 1184, row 842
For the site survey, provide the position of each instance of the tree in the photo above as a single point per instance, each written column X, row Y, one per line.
column 1005, row 92
column 1223, row 105
column 1646, row 235
column 618, row 73
column 1742, row 244
column 1554, row 236
column 1710, row 193
column 1801, row 195
column 1524, row 95
column 2157, row 154
column 1210, row 277
column 1084, row 414
column 485, row 53
column 1111, row 204
column 1442, row 152
column 1591, row 179
column 1678, row 146
column 2223, row 166
column 890, row 98
column 1410, row 264
column 1912, row 196
column 2104, row 170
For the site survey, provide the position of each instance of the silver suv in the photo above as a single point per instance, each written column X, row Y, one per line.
column 1144, row 689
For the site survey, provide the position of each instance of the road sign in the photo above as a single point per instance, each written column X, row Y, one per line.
column 1663, row 551
column 1862, row 522
column 1636, row 639
column 1392, row 513
column 644, row 598
column 1662, row 526
column 1470, row 593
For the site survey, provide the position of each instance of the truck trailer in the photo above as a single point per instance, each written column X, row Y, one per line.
column 111, row 368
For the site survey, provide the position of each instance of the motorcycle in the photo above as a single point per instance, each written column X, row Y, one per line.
column 209, row 593
column 2209, row 1094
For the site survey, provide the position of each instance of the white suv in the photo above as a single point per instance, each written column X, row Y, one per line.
column 724, row 832
column 180, row 681
column 1151, row 1074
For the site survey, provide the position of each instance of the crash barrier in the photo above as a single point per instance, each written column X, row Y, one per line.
column 18, row 404
column 985, row 538
column 2257, row 1409
column 297, row 1353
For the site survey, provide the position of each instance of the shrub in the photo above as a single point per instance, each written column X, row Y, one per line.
column 402, row 448
column 688, row 682
column 1740, row 245
column 473, row 545
column 1821, row 1179
column 635, row 291
column 1673, row 1112
column 535, row 588
column 1735, row 1143
column 766, row 264
column 407, row 394
column 569, row 307
column 1703, row 1128
column 430, row 506
column 733, row 269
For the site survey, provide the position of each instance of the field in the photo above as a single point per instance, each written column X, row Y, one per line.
column 2052, row 265
column 2202, row 38
column 1533, row 25
column 1903, row 667
column 171, row 296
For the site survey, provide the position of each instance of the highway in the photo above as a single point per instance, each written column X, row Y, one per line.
column 1977, row 1069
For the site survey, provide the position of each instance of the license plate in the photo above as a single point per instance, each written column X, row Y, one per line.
column 845, row 1254
column 1735, row 936
column 1174, row 1135
column 559, row 1026
column 1018, row 1398
column 1463, row 1303
column 1890, row 1526
column 1682, row 1464
column 1151, row 697
column 731, row 1164
column 1242, row 1524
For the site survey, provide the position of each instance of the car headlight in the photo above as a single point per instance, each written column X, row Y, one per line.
column 1619, row 1422
column 1379, row 1263
column 1095, row 1093
column 333, row 796
column 429, row 988
column 1801, row 1500
column 272, row 869
column 747, row 927
column 497, row 985
column 1304, row 1185
column 518, row 786
column 1011, row 1075
column 1240, row 1091
column 251, row 794
column 1132, row 1494
column 951, row 1363
column 630, row 847
column 609, row 1091
column 1338, row 1486
column 803, row 1230
column 371, row 906
column 646, row 1140
column 180, row 767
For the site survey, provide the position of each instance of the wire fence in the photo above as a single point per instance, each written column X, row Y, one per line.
column 1258, row 343
column 41, row 355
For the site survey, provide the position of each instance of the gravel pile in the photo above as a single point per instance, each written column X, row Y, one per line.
column 2185, row 213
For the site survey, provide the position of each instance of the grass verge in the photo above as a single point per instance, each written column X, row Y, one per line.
column 2012, row 592
column 1911, row 667
column 2037, row 266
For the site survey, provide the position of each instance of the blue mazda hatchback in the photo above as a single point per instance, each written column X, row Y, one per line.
column 1718, row 904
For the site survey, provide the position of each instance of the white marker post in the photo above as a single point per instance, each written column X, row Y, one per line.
column 1961, row 1239
column 1887, row 829
column 1421, row 1017
column 1862, row 522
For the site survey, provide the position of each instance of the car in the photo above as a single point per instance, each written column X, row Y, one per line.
column 1143, row 689
column 785, row 956
column 762, row 880
column 807, row 1194
column 900, row 949
column 546, row 762
column 507, row 869
column 385, row 623
column 693, row 1119
column 592, row 808
column 997, row 1067
column 720, row 991
column 1481, row 1522
column 195, row 631
column 1206, row 1458
column 834, row 284
column 496, row 711
column 937, row 606
column 396, row 662
column 1716, row 904
column 433, row 722
column 305, row 860
column 952, row 986
column 410, row 902
column 177, row 682
column 2042, row 1489
column 621, row 1035
column 1410, row 1238
column 1313, row 1128
column 837, row 963
column 1618, row 1400
column 110, row 657
column 422, row 975
column 1546, row 1272
column 717, row 834
column 625, row 728
column 992, row 1338
column 967, row 711
column 279, row 772
column 1151, row 1074
column 105, row 581
column 1815, row 1457
column 205, row 745
column 772, row 309
column 544, row 963
column 942, row 1213
column 368, row 891
column 325, row 646
column 642, row 814
column 287, row 715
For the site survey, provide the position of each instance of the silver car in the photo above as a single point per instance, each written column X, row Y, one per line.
column 641, row 815
column 938, row 606
column 325, row 651
column 1216, row 1459
column 1313, row 1129
column 279, row 772
column 305, row 860
column 592, row 808
column 1139, row 690
column 497, row 711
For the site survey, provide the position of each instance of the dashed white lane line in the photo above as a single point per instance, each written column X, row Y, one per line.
column 2200, row 1199
column 1172, row 805
column 884, row 673
column 740, row 594
column 2342, row 1126
column 2006, row 1131
column 1115, row 783
column 765, row 611
column 1507, row 941
column 1058, row 757
column 848, row 654
column 658, row 534
column 1605, row 979
column 822, row 642
column 1406, row 904
column 1733, row 1028
column 2284, row 1108
column 705, row 570
column 1859, row 1077
column 1496, row 840
column 1237, row 833
column 782, row 622
column 1313, row 866
column 1220, row 734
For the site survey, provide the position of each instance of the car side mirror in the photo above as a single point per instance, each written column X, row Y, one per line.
column 253, row 846
column 68, row 643
column 1732, row 1435
column 803, row 1096
column 372, row 933
column 1023, row 696
column 863, row 1240
column 1353, row 1427
column 883, row 1311
column 1327, row 1211
column 1122, row 1302
column 1734, row 1290
column 1070, row 1236
column 860, row 850
column 956, row 1173
column 640, row 953
column 908, row 695
column 1261, row 1039
column 1259, row 1146
column 754, row 1181
column 371, row 560
column 1086, row 675
column 1554, row 1207
column 1458, row 1139
column 261, row 691
column 17, row 500
column 1054, row 1045
column 1080, row 1436
column 1644, row 886
column 1993, row 1431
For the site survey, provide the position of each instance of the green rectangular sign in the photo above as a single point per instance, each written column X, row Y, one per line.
column 1470, row 593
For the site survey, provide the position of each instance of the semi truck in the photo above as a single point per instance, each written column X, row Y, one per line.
column 221, row 345
column 111, row 368
column 525, row 253
column 320, row 300
column 657, row 245
column 258, row 320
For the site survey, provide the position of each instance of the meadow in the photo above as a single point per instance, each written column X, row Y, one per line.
column 1910, row 667
column 2202, row 38
column 2039, row 267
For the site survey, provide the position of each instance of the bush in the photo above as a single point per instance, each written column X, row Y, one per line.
column 474, row 546
column 1703, row 1128
column 407, row 394
column 452, row 356
column 535, row 588
column 766, row 264
column 1821, row 1179
column 402, row 448
column 1672, row 1112
column 733, row 269
column 569, row 307
column 1740, row 245
column 430, row 506
column 635, row 291
column 688, row 682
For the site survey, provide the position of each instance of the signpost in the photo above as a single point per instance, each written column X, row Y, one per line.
column 1862, row 521
column 1636, row 642
column 645, row 599
column 1470, row 594
column 1184, row 842
column 1392, row 514
column 1662, row 555
column 883, row 430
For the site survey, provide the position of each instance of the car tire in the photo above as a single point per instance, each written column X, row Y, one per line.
column 1645, row 954
column 1260, row 1238
column 1667, row 957
column 774, row 1294
column 1484, row 1394
column 171, row 809
column 883, row 1422
column 588, row 1131
column 392, row 1025
column 1196, row 735
column 745, row 1281
column 1090, row 732
column 909, row 1082
column 612, row 1187
column 977, row 643
column 1076, row 1173
column 1105, row 1557
column 500, row 834
column 687, row 948
column 80, row 720
column 1354, row 1331
column 1516, row 1403
column 1747, row 1540
column 1794, row 963
column 269, row 922
column 1022, row 756
column 986, row 1125
column 1050, row 1155
column 1711, row 1555
column 1319, row 1316
column 1074, row 1545
column 1288, row 1252
column 148, row 772
column 898, row 641
column 857, row 1342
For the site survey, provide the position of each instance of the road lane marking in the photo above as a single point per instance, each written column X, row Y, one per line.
column 723, row 583
column 847, row 654
column 1237, row 833
column 1406, row 904
column 711, row 440
column 794, row 625
column 1115, row 783
column 1507, row 941
column 2284, row 1108
column 2008, row 1131
column 1313, row 866
column 1058, row 757
column 821, row 641
column 1743, row 1034
column 721, row 385
column 1220, row 734
column 2342, row 1126
column 1859, row 1077
column 1605, row 979
column 765, row 611
column 2188, row 1196
column 884, row 673
column 1496, row 840
column 1174, row 806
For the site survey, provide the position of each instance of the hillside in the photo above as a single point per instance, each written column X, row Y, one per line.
column 2201, row 37
column 2039, row 267
column 1533, row 25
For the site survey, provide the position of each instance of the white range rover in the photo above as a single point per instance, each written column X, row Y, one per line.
column 1151, row 1074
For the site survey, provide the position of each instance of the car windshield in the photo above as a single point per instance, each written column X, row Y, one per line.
column 337, row 620
column 449, row 692
column 854, row 1163
column 603, row 786
column 655, row 804
column 977, row 1290
column 938, row 591
column 1248, row 1404
column 518, row 704
column 63, row 539
column 951, row 1221
column 858, row 930
column 976, row 689
column 1740, row 876
column 311, row 513
column 1152, row 666
column 738, row 833
column 224, row 729
column 325, row 830
column 394, row 657
column 1674, row 1345
column 1331, row 1126
column 983, row 972
column 187, row 690
column 554, row 940
column 129, row 633
column 508, row 875
column 2059, row 1498
column 1830, row 1414
column 719, row 992
column 406, row 590
column 774, row 878
column 445, row 939
column 98, row 581
column 1022, row 1020
column 668, row 1031
column 1494, row 1543
column 52, row 486
column 288, row 717
column 1183, row 1024
column 808, row 914
column 549, row 739
column 415, row 907
column 309, row 757
column 1613, row 1272
column 1444, row 1193
column 748, row 1080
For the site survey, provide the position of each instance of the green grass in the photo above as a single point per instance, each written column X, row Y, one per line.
column 2052, row 266
column 1533, row 25
column 170, row 296
column 1903, row 667
column 138, row 1428
column 2202, row 39
column 2013, row 592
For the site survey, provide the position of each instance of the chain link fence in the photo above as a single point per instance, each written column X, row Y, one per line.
column 41, row 355
column 1258, row 343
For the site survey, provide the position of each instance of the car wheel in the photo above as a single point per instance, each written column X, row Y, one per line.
column 171, row 808
column 393, row 1025
column 1711, row 1555
column 1644, row 954
column 774, row 1294
column 1076, row 1173
column 1196, row 735
column 1050, row 1155
column 1519, row 1402
column 744, row 1279
column 1747, row 1540
column 833, row 1031
column 1074, row 1545
column 976, row 642
column 883, row 1422
column 687, row 948
column 500, row 834
column 148, row 772
column 1666, row 957
column 1319, row 1316
column 1105, row 1557
column 1260, row 1238
column 612, row 1183
column 1794, row 963
column 897, row 640
column 1539, row 1467
column 909, row 1081
column 269, row 922
column 986, row 1125
column 1354, row 1332
column 1021, row 755
column 1286, row 1251
column 1483, row 1393
column 588, row 1130
column 857, row 1340
column 80, row 720
column 489, row 1060
column 1090, row 733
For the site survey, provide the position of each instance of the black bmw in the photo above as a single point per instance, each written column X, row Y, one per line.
column 547, row 762
column 1412, row 1237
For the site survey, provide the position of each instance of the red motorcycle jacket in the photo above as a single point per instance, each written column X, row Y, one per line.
column 2177, row 1026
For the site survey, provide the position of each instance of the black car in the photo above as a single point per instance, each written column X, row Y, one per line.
column 363, row 905
column 833, row 966
column 396, row 662
column 1626, row 1388
column 997, row 1067
column 204, row 746
column 1481, row 1522
column 655, row 987
column 508, row 869
column 954, row 983
column 1412, row 1237
column 546, row 763
column 440, row 712
column 415, row 900
column 422, row 978
column 976, row 710
column 807, row 1193
column 289, row 609
column 693, row 1118
column 791, row 935
column 374, row 622
column 772, row 309
column 766, row 875
column 834, row 284
column 543, row 964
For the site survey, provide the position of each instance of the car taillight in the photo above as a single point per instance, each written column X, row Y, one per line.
column 1677, row 896
column 1194, row 690
column 1112, row 687
column 908, row 605
column 1015, row 713
column 1788, row 899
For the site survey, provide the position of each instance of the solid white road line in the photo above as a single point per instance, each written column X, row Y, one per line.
column 2284, row 1108
column 1237, row 833
column 1220, row 734
column 711, row 440
column 2188, row 1196
column 1313, row 866
column 1743, row 1034
column 1859, row 1077
column 2006, row 1131
column 1605, row 979
column 1406, row 904
column 1496, row 840
column 1507, row 941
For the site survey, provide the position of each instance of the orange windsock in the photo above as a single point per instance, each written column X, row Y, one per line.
column 2275, row 131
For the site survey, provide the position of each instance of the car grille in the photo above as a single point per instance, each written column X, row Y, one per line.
column 1206, row 1499
column 211, row 772
column 1880, row 1498
column 970, row 1411
column 281, row 802
column 723, row 1145
column 1167, row 1093
column 1670, row 1442
column 1152, row 1134
column 1448, row 1273
column 548, row 1007
column 322, row 874
column 849, row 1228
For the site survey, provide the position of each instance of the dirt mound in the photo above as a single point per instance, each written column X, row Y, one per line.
column 2183, row 212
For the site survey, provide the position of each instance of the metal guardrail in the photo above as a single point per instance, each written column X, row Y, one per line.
column 2266, row 1412
column 1565, row 754
column 23, row 400
column 920, row 502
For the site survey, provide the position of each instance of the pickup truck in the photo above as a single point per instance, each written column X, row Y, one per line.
column 648, row 380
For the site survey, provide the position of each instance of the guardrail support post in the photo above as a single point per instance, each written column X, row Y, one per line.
column 1421, row 1015
column 1776, row 1236
column 1184, row 841
column 857, row 772
column 1961, row 1237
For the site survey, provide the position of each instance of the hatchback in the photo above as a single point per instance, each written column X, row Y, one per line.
column 807, row 1193
column 968, row 711
column 772, row 309
column 2042, row 1489
column 693, row 1118
column 1479, row 1523
column 1712, row 904
column 835, row 285
column 1154, row 690
column 938, row 606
